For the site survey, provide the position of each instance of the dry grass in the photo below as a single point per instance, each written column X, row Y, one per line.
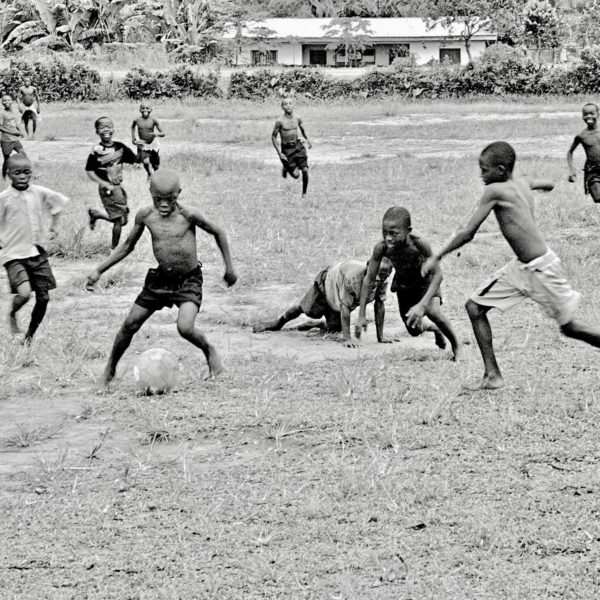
column 366, row 476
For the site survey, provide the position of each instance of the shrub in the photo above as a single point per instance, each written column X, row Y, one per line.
column 140, row 83
column 587, row 72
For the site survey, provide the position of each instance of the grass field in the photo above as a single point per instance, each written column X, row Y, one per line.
column 307, row 470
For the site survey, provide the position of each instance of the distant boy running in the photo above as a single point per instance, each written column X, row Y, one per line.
column 535, row 273
column 178, row 277
column 29, row 105
column 334, row 294
column 10, row 132
column 21, row 237
column 293, row 151
column 104, row 166
column 418, row 296
column 144, row 137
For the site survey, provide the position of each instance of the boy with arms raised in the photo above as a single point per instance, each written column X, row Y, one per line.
column 293, row 151
column 334, row 294
column 29, row 105
column 143, row 135
column 418, row 296
column 21, row 237
column 589, row 138
column 178, row 277
column 10, row 132
column 104, row 166
column 535, row 273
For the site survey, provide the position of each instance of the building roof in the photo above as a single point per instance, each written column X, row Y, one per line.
column 377, row 28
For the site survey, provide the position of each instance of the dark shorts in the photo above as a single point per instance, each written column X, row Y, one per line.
column 591, row 181
column 35, row 270
column 314, row 304
column 9, row 147
column 296, row 157
column 152, row 155
column 164, row 289
column 115, row 203
column 407, row 298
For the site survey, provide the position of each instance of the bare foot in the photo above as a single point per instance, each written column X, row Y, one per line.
column 488, row 382
column 14, row 326
column 440, row 340
column 107, row 376
column 457, row 352
column 215, row 365
column 93, row 217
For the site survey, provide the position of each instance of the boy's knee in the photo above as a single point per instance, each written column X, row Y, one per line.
column 130, row 327
column 24, row 295
column 569, row 329
column 473, row 309
column 42, row 297
column 185, row 329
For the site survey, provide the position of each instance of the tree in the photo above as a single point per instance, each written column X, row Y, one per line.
column 469, row 17
column 589, row 22
column 542, row 25
column 352, row 32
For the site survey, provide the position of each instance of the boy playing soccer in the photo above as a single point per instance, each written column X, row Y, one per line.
column 21, row 238
column 334, row 294
column 178, row 277
column 29, row 105
column 293, row 151
column 104, row 166
column 10, row 132
column 418, row 296
column 146, row 139
column 589, row 138
column 535, row 273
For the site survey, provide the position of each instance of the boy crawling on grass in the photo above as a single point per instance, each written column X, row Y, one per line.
column 535, row 273
column 21, row 237
column 178, row 277
column 418, row 296
column 334, row 294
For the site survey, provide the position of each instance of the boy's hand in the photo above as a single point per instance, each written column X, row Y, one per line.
column 349, row 343
column 92, row 278
column 415, row 315
column 361, row 323
column 429, row 265
column 283, row 158
column 230, row 278
column 107, row 186
column 308, row 144
column 385, row 340
column 572, row 177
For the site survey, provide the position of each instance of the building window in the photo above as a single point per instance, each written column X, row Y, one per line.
column 450, row 55
column 399, row 51
column 263, row 58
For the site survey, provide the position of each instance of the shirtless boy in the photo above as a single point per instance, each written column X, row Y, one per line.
column 178, row 277
column 293, row 151
column 29, row 105
column 104, row 166
column 10, row 132
column 418, row 296
column 144, row 133
column 535, row 273
column 21, row 238
column 334, row 294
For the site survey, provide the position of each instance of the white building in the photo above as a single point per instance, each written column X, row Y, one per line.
column 299, row 42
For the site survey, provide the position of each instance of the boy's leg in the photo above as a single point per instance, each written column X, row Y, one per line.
column 289, row 315
column 582, row 332
column 6, row 152
column 137, row 316
column 19, row 300
column 185, row 326
column 34, row 120
column 442, row 322
column 37, row 314
column 146, row 163
column 304, row 180
column 25, row 121
column 154, row 160
column 492, row 377
column 116, row 233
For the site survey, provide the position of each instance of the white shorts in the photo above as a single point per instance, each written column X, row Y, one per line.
column 542, row 280
column 153, row 145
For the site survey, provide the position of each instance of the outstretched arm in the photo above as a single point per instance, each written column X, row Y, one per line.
column 303, row 132
column 276, row 131
column 37, row 100
column 379, row 308
column 121, row 251
column 416, row 312
column 367, row 286
column 133, row 132
column 346, row 335
column 572, row 171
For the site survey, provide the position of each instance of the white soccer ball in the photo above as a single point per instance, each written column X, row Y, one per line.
column 156, row 371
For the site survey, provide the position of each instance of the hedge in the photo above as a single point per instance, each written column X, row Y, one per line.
column 140, row 83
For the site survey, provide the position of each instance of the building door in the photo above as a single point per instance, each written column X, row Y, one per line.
column 317, row 56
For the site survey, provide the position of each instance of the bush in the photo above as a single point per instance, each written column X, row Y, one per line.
column 140, row 83
column 55, row 80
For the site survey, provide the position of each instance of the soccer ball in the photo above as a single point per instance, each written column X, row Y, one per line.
column 156, row 371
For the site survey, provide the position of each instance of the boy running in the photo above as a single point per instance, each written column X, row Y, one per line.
column 293, row 151
column 144, row 137
column 10, row 132
column 418, row 296
column 535, row 273
column 334, row 294
column 178, row 277
column 589, row 138
column 21, row 237
column 104, row 166
column 29, row 105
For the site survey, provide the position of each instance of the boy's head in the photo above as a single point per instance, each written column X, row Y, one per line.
column 145, row 109
column 26, row 81
column 287, row 104
column 589, row 113
column 19, row 171
column 104, row 128
column 165, row 189
column 6, row 101
column 497, row 162
column 385, row 268
column 396, row 226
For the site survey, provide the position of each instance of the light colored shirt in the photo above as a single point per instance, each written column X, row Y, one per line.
column 10, row 120
column 21, row 220
column 343, row 283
